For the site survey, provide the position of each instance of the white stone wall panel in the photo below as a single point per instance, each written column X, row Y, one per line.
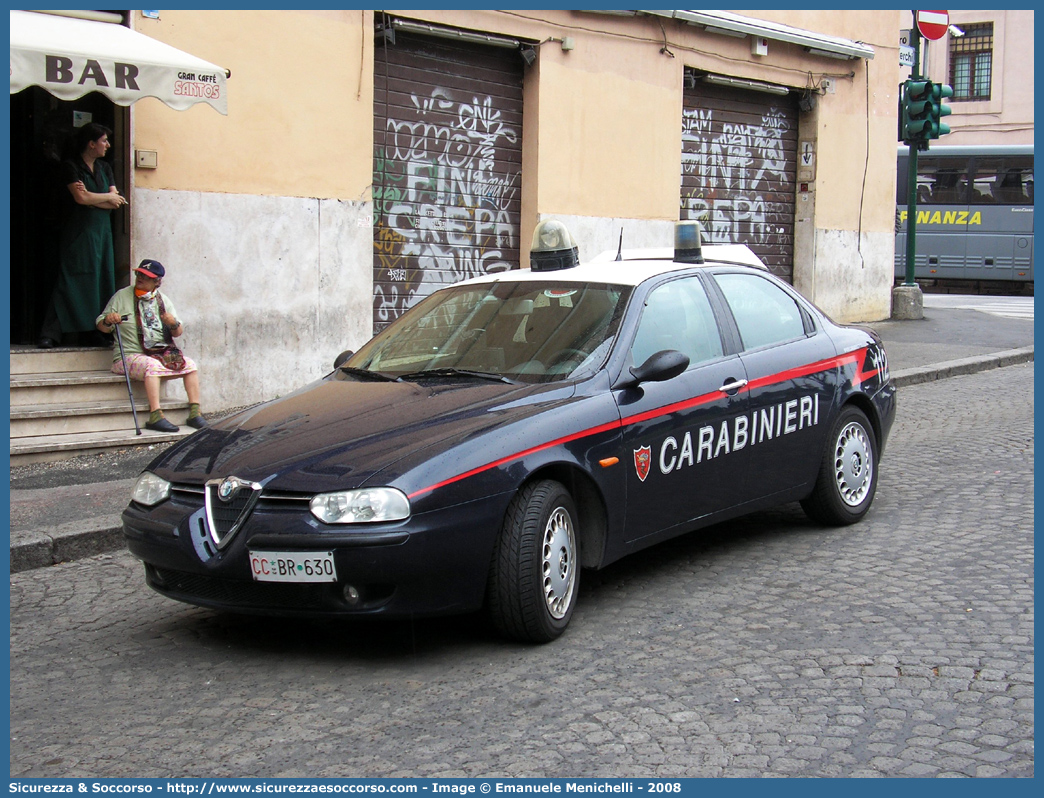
column 270, row 288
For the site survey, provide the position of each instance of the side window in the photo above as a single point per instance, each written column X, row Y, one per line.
column 678, row 315
column 1005, row 180
column 942, row 181
column 764, row 312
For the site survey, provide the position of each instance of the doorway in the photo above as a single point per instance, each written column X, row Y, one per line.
column 41, row 129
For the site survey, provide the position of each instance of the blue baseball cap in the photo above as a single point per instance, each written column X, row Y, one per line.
column 151, row 268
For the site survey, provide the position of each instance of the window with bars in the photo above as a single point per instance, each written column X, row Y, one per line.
column 971, row 62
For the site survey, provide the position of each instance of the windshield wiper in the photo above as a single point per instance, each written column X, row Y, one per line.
column 370, row 375
column 452, row 372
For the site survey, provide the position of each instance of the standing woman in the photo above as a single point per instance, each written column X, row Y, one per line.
column 87, row 276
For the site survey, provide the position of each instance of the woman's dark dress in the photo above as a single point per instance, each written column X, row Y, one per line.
column 87, row 277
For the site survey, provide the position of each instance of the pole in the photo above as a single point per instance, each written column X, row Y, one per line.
column 130, row 391
column 911, row 175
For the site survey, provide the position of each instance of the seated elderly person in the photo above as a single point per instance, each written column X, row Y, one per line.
column 147, row 324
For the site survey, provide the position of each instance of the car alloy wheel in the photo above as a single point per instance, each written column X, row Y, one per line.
column 559, row 563
column 847, row 479
column 853, row 464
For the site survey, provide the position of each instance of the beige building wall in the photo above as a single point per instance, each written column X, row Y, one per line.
column 846, row 240
column 300, row 105
column 264, row 217
column 601, row 123
column 844, row 236
column 606, row 120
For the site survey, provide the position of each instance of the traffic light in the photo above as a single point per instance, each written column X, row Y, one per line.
column 937, row 92
column 916, row 123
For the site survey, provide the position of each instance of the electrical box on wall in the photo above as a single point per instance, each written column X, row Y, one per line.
column 758, row 45
column 146, row 159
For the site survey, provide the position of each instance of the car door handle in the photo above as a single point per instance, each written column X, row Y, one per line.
column 731, row 387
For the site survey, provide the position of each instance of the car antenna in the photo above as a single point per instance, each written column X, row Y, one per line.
column 619, row 251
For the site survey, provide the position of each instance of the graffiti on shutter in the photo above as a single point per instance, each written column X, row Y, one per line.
column 739, row 165
column 447, row 168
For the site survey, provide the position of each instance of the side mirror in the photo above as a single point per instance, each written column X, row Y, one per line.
column 342, row 358
column 660, row 367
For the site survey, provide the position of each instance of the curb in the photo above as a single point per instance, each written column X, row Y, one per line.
column 100, row 535
column 67, row 542
column 965, row 365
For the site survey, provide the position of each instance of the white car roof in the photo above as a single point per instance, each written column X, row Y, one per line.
column 634, row 267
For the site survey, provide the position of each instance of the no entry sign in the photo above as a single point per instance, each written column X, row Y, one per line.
column 933, row 24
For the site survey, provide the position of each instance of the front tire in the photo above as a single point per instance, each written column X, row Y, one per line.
column 847, row 478
column 535, row 575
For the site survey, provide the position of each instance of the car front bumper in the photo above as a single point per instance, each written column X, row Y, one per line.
column 431, row 564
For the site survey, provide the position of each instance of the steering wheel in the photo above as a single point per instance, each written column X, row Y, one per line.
column 470, row 336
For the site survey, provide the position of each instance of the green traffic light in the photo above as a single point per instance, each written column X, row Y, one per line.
column 937, row 92
column 917, row 89
column 917, row 108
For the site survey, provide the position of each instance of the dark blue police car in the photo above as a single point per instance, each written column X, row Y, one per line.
column 514, row 428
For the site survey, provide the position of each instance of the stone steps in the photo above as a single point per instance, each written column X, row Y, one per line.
column 66, row 402
column 49, row 448
column 105, row 416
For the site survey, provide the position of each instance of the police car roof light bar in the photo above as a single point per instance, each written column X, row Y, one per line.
column 688, row 247
column 553, row 247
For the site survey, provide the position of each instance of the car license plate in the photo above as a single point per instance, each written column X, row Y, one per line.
column 293, row 566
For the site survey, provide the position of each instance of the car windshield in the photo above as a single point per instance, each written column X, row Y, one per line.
column 527, row 331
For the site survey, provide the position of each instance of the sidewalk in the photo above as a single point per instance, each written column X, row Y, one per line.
column 65, row 520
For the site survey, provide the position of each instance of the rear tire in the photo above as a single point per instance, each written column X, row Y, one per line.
column 847, row 478
column 535, row 575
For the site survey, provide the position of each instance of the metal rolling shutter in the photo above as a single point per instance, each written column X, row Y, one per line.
column 739, row 170
column 447, row 167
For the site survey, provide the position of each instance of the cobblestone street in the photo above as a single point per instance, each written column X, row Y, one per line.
column 899, row 647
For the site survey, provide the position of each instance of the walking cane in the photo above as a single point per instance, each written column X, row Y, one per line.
column 126, row 373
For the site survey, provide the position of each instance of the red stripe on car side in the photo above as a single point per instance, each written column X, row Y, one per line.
column 804, row 371
column 789, row 374
column 518, row 455
column 666, row 410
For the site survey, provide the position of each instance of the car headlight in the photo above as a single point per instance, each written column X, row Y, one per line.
column 366, row 505
column 150, row 489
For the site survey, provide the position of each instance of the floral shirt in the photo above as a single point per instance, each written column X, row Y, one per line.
column 122, row 302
